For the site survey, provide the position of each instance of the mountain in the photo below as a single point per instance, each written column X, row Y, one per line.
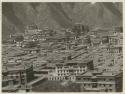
column 15, row 16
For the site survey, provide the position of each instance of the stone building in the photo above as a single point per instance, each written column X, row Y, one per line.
column 69, row 70
column 18, row 73
column 96, row 81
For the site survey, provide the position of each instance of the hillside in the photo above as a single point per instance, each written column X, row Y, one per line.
column 15, row 16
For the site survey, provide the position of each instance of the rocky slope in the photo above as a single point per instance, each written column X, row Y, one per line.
column 15, row 16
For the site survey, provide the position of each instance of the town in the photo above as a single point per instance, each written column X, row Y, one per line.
column 91, row 58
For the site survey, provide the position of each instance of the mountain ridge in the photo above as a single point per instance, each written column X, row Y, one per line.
column 16, row 16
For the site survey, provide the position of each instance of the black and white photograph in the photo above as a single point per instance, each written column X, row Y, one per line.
column 62, row 47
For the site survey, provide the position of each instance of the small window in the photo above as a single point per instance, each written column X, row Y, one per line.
column 104, row 79
column 110, row 89
column 110, row 79
column 78, row 78
column 88, row 79
column 110, row 85
column 94, row 85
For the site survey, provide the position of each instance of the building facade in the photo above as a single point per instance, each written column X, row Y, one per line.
column 17, row 75
column 69, row 70
column 100, row 81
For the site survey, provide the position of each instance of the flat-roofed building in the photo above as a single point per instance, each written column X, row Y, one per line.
column 115, row 39
column 18, row 73
column 68, row 70
column 113, row 50
column 100, row 81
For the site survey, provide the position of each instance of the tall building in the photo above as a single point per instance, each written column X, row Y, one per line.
column 17, row 74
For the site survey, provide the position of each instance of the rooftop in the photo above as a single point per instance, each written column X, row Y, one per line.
column 74, row 62
column 100, row 73
column 18, row 67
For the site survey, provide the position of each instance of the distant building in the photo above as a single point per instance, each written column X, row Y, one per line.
column 16, row 39
column 100, row 32
column 113, row 50
column 31, row 50
column 80, row 29
column 32, row 33
column 33, row 29
column 115, row 39
column 117, row 30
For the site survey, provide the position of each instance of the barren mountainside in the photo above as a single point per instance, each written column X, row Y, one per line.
column 15, row 16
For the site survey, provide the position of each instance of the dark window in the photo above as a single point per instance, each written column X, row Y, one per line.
column 110, row 85
column 16, row 76
column 88, row 79
column 15, row 82
column 66, row 78
column 110, row 79
column 78, row 78
column 106, row 90
column 110, row 89
column 94, row 80
column 104, row 79
column 94, row 85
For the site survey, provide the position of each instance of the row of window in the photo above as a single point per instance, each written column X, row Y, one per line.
column 94, row 80
column 97, row 85
column 56, row 78
column 71, row 67
column 67, row 71
column 61, row 78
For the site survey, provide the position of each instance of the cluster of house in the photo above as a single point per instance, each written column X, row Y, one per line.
column 102, row 72
column 92, row 58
